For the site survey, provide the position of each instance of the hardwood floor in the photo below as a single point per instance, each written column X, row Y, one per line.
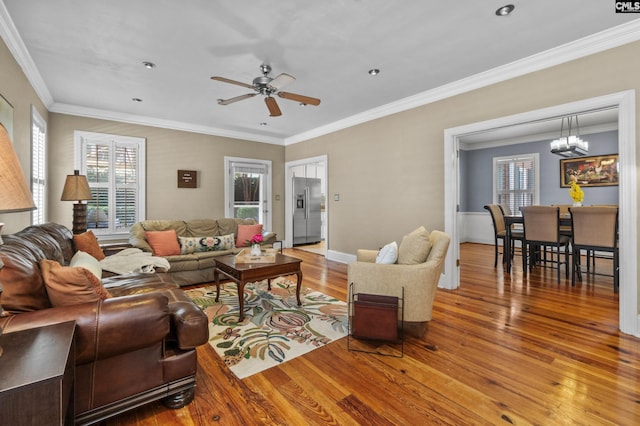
column 499, row 350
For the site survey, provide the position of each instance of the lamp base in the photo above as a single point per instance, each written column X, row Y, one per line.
column 79, row 218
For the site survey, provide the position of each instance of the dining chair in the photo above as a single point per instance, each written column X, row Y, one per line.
column 595, row 229
column 500, row 232
column 542, row 228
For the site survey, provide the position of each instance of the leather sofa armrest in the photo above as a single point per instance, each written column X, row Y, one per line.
column 105, row 328
column 189, row 325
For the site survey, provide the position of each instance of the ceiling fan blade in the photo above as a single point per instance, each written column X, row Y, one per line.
column 300, row 98
column 274, row 109
column 280, row 81
column 227, row 80
column 236, row 99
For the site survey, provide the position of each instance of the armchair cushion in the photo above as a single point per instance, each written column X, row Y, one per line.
column 415, row 247
column 388, row 254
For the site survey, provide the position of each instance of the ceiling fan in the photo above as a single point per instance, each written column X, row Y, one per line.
column 267, row 86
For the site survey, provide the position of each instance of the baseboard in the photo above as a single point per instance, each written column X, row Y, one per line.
column 337, row 256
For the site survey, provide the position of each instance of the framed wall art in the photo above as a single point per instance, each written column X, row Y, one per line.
column 599, row 170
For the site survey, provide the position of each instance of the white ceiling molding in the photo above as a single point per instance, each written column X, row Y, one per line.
column 604, row 40
column 165, row 124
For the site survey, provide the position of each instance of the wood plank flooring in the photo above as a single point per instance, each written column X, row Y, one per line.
column 500, row 350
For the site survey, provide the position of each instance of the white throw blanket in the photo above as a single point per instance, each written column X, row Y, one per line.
column 134, row 260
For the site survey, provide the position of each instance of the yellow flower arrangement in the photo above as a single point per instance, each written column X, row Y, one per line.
column 576, row 193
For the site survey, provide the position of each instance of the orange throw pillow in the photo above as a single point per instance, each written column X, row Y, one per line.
column 68, row 285
column 246, row 232
column 163, row 243
column 88, row 243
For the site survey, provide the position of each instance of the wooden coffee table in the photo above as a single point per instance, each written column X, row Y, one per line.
column 242, row 273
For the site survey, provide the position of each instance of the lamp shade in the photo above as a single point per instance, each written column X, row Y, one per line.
column 76, row 188
column 15, row 195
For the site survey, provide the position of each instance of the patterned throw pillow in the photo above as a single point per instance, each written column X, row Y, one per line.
column 189, row 245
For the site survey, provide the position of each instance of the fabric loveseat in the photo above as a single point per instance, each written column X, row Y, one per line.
column 416, row 267
column 135, row 343
column 195, row 243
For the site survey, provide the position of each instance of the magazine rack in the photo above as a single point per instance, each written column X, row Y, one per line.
column 374, row 318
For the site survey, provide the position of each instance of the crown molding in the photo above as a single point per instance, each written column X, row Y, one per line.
column 12, row 39
column 165, row 124
column 595, row 43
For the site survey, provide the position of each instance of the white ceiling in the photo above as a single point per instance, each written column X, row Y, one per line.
column 85, row 56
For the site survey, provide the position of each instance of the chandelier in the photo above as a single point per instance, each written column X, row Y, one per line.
column 570, row 145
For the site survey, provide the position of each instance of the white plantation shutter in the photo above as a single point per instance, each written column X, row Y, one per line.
column 38, row 166
column 516, row 181
column 114, row 167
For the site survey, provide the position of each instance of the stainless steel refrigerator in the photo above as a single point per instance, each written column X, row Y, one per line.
column 307, row 220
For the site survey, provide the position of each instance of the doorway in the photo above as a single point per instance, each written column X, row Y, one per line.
column 625, row 102
column 313, row 169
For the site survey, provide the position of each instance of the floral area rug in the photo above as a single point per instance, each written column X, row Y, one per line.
column 275, row 329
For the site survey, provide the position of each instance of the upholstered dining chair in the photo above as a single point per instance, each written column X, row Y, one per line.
column 542, row 228
column 595, row 229
column 500, row 231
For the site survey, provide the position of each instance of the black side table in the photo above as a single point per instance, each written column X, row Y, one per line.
column 37, row 370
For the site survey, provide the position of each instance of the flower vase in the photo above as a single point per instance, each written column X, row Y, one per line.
column 577, row 204
column 255, row 250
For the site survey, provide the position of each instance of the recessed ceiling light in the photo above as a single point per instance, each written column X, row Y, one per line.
column 374, row 71
column 505, row 10
column 136, row 99
column 302, row 104
column 149, row 65
column 263, row 124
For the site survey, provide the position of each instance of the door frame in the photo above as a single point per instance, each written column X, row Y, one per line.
column 228, row 192
column 629, row 320
column 288, row 197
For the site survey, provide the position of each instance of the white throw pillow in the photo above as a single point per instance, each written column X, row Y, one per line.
column 88, row 262
column 388, row 254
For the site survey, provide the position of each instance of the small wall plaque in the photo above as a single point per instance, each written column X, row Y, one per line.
column 187, row 179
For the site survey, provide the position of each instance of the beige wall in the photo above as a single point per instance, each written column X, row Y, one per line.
column 167, row 152
column 16, row 89
column 389, row 172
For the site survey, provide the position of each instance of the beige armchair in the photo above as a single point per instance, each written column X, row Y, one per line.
column 419, row 281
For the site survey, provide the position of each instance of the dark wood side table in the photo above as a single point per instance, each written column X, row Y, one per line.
column 37, row 370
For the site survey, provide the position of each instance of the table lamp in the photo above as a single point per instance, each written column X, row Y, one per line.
column 14, row 191
column 76, row 188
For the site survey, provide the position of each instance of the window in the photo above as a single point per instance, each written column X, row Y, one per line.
column 248, row 184
column 114, row 166
column 38, row 162
column 515, row 181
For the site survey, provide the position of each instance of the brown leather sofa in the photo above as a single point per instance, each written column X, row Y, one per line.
column 133, row 348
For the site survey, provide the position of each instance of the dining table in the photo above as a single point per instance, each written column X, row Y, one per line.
column 510, row 220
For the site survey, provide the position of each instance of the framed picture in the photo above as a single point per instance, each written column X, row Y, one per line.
column 600, row 170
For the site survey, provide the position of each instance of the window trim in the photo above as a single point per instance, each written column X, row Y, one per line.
column 81, row 138
column 536, row 171
column 41, row 210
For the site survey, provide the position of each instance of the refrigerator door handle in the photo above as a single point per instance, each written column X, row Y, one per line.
column 306, row 202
